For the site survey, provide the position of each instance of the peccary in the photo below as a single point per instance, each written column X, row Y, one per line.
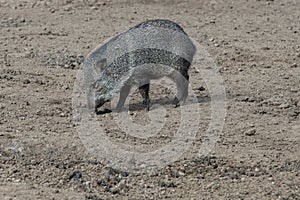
column 149, row 50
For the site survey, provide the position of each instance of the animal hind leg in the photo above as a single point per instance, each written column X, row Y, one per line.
column 144, row 91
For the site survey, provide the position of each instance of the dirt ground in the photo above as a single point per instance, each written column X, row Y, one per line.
column 255, row 44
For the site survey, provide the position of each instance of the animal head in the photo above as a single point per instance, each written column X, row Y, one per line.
column 93, row 68
column 103, row 92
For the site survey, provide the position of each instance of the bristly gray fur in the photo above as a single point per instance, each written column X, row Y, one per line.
column 150, row 50
column 131, row 60
column 160, row 23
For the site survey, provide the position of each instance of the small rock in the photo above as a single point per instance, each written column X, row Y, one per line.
column 250, row 132
column 233, row 176
column 40, row 82
column 76, row 174
column 94, row 8
column 26, row 81
column 293, row 114
column 62, row 114
column 130, row 113
column 74, row 64
column 110, row 172
column 284, row 105
column 266, row 48
column 115, row 190
column 267, row 66
column 201, row 88
column 65, row 87
column 294, row 89
column 167, row 184
column 52, row 10
column 101, row 182
column 92, row 196
column 294, row 65
column 180, row 173
column 69, row 8
column 210, row 185
column 121, row 184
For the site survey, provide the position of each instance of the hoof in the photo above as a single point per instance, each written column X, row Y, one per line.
column 147, row 108
column 147, row 103
column 175, row 103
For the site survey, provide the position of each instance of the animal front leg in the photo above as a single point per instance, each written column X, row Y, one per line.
column 144, row 91
column 181, row 80
column 123, row 95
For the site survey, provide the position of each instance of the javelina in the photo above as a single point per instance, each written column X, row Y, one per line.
column 150, row 50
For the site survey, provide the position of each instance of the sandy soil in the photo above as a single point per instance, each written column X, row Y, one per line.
column 256, row 45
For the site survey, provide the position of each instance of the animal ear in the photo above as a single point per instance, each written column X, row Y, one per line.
column 100, row 65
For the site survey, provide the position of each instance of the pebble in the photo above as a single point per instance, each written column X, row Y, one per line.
column 115, row 190
column 26, row 81
column 284, row 105
column 266, row 48
column 92, row 196
column 201, row 88
column 76, row 174
column 130, row 113
column 65, row 87
column 180, row 173
column 233, row 176
column 167, row 184
column 250, row 132
column 293, row 114
column 68, row 8
column 210, row 185
column 52, row 10
column 62, row 114
column 101, row 182
column 294, row 89
column 94, row 8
